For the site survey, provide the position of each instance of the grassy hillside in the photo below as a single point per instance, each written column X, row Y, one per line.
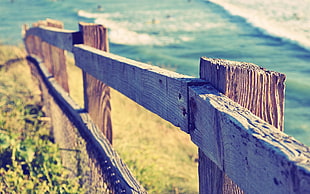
column 30, row 161
column 161, row 157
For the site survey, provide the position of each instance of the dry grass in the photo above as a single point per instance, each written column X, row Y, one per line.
column 161, row 157
column 30, row 161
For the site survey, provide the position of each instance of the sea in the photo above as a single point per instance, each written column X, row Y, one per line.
column 174, row 34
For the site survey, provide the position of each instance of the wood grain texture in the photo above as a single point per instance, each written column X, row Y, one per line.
column 121, row 178
column 64, row 39
column 255, row 155
column 255, row 88
column 33, row 45
column 77, row 155
column 53, row 57
column 206, row 184
column 96, row 93
column 158, row 90
column 59, row 124
column 58, row 59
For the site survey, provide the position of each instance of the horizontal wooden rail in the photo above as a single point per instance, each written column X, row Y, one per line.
column 123, row 180
column 225, row 131
column 64, row 39
column 254, row 154
column 159, row 90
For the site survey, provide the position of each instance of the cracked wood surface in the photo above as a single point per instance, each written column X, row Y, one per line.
column 255, row 155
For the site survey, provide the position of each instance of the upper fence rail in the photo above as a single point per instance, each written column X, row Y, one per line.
column 61, row 38
column 255, row 155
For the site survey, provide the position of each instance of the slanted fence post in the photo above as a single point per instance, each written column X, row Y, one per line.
column 260, row 91
column 96, row 93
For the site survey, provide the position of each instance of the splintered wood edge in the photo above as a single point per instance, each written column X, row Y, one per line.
column 271, row 160
column 254, row 154
column 255, row 88
column 242, row 65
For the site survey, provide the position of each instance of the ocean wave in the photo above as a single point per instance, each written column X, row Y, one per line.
column 152, row 27
column 119, row 32
column 284, row 19
column 85, row 14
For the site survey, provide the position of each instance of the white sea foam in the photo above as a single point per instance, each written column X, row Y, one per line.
column 286, row 19
column 152, row 27
column 120, row 32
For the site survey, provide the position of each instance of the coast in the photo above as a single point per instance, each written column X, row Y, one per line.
column 166, row 154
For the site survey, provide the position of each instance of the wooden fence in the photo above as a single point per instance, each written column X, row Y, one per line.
column 233, row 113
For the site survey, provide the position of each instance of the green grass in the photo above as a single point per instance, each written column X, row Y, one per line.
column 30, row 161
column 160, row 156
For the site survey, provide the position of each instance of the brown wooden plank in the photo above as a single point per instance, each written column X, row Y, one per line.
column 268, row 161
column 96, row 93
column 255, row 88
column 33, row 45
column 121, row 178
column 206, row 170
column 58, row 58
column 64, row 39
column 54, row 23
column 46, row 56
column 158, row 90
column 54, row 57
column 257, row 156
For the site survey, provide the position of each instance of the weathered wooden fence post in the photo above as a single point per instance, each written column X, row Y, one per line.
column 54, row 58
column 84, row 149
column 260, row 91
column 96, row 93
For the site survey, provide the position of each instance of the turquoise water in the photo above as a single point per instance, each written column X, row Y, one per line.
column 176, row 33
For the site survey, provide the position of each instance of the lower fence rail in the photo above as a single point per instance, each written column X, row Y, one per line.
column 84, row 149
column 249, row 149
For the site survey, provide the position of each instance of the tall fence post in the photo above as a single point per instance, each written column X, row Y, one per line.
column 96, row 93
column 260, row 91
